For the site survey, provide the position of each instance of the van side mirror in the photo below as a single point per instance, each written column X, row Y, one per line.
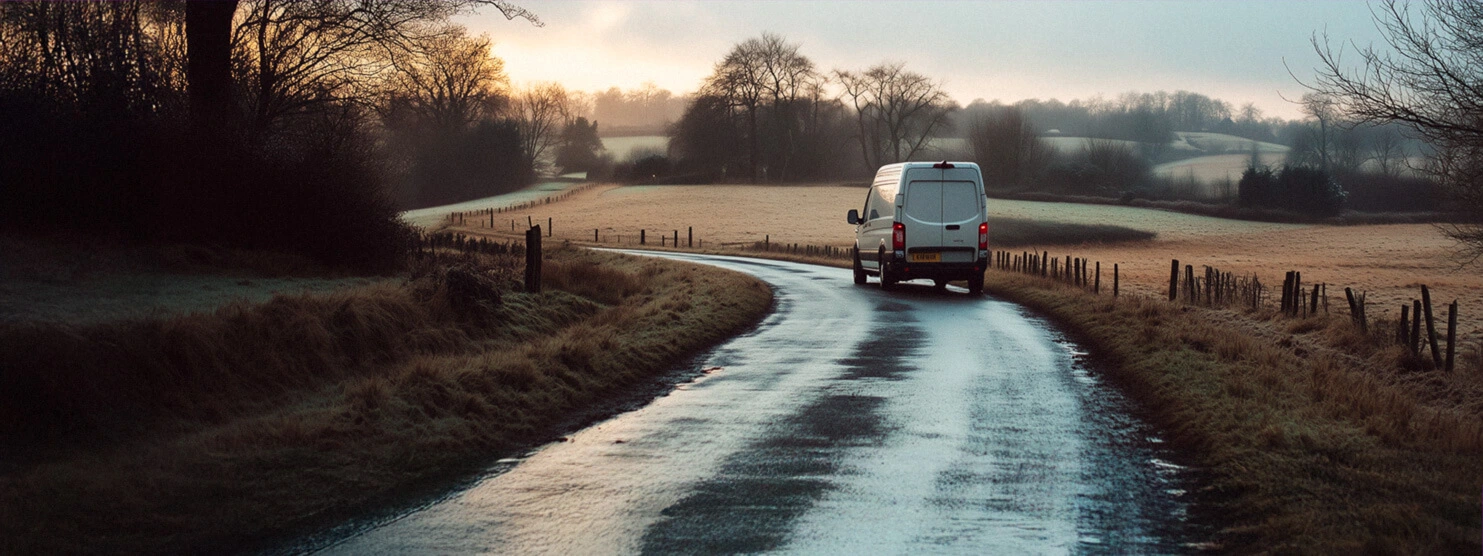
column 853, row 217
column 899, row 200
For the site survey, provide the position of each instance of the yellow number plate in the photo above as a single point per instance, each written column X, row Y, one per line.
column 926, row 257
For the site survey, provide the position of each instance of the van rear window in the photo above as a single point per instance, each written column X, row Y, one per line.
column 960, row 201
column 942, row 201
column 924, row 201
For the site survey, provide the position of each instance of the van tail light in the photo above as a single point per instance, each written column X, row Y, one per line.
column 898, row 236
column 983, row 236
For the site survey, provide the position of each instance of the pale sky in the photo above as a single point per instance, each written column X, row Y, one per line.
column 1000, row 50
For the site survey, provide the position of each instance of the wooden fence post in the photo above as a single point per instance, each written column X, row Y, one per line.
column 550, row 230
column 1357, row 310
column 1174, row 280
column 1451, row 333
column 1313, row 309
column 1402, row 333
column 690, row 236
column 676, row 242
column 1297, row 295
column 1415, row 327
column 1114, row 279
column 594, row 236
column 1190, row 286
column 643, row 236
column 1431, row 326
column 1209, row 284
column 1287, row 292
column 533, row 260
column 1097, row 282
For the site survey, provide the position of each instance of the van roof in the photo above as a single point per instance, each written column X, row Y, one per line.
column 909, row 165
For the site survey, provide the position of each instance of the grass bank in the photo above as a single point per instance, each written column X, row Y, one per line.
column 1316, row 442
column 216, row 430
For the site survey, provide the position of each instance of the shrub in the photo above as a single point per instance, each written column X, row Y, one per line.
column 1304, row 190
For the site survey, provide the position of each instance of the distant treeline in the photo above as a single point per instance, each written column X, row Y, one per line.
column 766, row 114
column 1142, row 117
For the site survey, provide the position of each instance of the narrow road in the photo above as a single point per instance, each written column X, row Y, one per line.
column 850, row 421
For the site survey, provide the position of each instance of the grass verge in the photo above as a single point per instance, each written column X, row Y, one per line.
column 198, row 432
column 1315, row 442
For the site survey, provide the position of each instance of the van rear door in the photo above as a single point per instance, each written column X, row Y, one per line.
column 923, row 214
column 960, row 219
column 943, row 217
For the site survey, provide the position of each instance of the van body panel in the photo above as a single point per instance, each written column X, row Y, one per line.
column 940, row 208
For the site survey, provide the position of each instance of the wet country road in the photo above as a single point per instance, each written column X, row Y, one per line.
column 850, row 421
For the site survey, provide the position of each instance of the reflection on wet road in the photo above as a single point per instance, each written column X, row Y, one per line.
column 850, row 421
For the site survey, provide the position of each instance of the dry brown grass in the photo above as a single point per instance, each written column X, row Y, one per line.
column 227, row 429
column 1316, row 441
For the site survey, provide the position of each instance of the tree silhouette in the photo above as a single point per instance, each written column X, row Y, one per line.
column 897, row 111
column 1431, row 80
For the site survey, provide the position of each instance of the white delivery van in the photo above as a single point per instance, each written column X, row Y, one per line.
column 923, row 220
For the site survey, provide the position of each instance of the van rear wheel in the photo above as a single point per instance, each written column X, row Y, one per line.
column 859, row 269
column 976, row 284
column 888, row 282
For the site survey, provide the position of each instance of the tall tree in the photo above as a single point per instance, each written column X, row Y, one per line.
column 897, row 111
column 208, row 26
column 451, row 82
column 738, row 80
column 580, row 150
column 1430, row 79
column 1005, row 145
column 541, row 112
column 299, row 55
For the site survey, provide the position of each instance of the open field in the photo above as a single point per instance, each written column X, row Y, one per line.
column 1214, row 168
column 1216, row 143
column 1390, row 262
column 233, row 428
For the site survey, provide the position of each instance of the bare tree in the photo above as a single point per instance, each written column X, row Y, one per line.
column 297, row 55
column 1388, row 151
column 1322, row 108
column 897, row 111
column 1431, row 80
column 541, row 112
column 765, row 71
column 1006, row 147
column 451, row 82
column 117, row 58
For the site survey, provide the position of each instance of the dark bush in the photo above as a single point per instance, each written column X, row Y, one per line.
column 320, row 194
column 652, row 168
column 1101, row 168
column 1376, row 192
column 1293, row 188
